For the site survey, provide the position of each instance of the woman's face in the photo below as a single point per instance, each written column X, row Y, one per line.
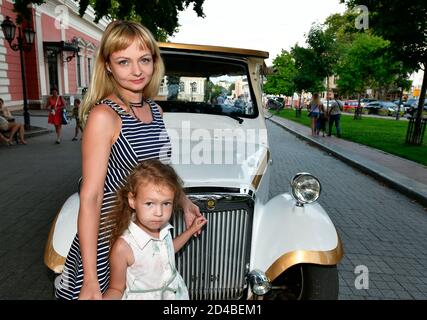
column 54, row 93
column 132, row 67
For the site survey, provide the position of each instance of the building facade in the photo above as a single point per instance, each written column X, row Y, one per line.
column 61, row 57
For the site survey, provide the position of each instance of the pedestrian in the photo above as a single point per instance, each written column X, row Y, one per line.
column 75, row 115
column 142, row 257
column 314, row 109
column 334, row 115
column 55, row 104
column 122, row 127
column 8, row 123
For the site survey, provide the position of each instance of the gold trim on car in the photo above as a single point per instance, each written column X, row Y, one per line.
column 52, row 259
column 290, row 259
column 258, row 176
column 205, row 48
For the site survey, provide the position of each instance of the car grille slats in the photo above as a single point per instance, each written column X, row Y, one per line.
column 213, row 265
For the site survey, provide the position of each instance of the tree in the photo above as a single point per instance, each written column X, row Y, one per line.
column 404, row 24
column 305, row 78
column 160, row 16
column 364, row 64
column 325, row 53
column 281, row 80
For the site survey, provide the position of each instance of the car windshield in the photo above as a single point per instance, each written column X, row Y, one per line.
column 198, row 83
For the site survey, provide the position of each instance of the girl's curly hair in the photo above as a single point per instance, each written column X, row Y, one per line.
column 149, row 171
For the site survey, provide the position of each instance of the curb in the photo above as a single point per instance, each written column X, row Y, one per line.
column 409, row 190
column 37, row 131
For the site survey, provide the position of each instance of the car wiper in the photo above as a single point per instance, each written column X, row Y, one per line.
column 233, row 116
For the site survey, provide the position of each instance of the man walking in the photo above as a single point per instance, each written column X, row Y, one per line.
column 334, row 115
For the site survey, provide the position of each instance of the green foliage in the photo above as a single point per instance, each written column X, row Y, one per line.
column 23, row 9
column 324, row 49
column 281, row 81
column 160, row 16
column 403, row 23
column 305, row 78
column 364, row 64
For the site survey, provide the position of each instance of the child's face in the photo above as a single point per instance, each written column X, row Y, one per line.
column 153, row 205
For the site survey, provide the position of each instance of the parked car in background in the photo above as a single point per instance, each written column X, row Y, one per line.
column 275, row 103
column 350, row 105
column 254, row 246
column 375, row 106
column 365, row 101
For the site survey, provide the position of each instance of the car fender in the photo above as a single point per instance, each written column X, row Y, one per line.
column 285, row 234
column 62, row 233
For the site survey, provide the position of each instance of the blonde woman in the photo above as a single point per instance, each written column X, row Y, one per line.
column 116, row 113
column 315, row 108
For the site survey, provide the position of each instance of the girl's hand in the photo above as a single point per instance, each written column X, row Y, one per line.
column 197, row 224
column 90, row 291
column 191, row 212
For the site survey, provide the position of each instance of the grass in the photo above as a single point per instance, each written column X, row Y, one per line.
column 383, row 134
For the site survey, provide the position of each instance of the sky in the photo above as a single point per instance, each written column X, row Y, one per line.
column 267, row 25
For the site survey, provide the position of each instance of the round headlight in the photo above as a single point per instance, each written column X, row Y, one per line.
column 259, row 282
column 305, row 188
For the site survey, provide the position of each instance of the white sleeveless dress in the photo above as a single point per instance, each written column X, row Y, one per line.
column 153, row 275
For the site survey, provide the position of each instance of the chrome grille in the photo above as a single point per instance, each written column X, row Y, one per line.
column 214, row 264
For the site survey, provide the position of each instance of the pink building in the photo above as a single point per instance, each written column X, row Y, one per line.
column 62, row 55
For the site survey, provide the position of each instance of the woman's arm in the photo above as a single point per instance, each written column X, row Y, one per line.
column 99, row 133
column 191, row 211
column 195, row 227
column 121, row 257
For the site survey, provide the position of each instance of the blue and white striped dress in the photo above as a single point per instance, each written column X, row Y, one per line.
column 137, row 142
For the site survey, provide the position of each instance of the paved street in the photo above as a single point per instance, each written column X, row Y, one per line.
column 380, row 228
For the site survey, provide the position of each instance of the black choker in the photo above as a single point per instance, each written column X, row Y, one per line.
column 136, row 105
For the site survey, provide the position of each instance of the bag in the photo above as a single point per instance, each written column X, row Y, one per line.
column 64, row 119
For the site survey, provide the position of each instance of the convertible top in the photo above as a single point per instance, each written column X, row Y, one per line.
column 216, row 49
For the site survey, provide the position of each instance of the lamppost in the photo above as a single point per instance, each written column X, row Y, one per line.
column 9, row 29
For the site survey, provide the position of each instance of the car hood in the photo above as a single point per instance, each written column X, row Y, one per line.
column 224, row 156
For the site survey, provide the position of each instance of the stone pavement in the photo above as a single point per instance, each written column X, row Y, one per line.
column 406, row 176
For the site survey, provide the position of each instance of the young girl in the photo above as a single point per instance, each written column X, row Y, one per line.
column 142, row 259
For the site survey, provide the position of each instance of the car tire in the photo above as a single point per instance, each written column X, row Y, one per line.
column 306, row 282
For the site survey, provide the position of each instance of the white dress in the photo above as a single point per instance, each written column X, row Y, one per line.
column 153, row 275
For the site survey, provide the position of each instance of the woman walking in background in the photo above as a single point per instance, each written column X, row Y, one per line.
column 55, row 104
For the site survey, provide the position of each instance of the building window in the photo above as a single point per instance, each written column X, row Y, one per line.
column 79, row 71
column 181, row 86
column 193, row 87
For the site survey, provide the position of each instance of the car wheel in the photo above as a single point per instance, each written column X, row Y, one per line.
column 306, row 282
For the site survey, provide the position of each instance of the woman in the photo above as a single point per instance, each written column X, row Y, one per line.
column 55, row 105
column 11, row 125
column 315, row 108
column 117, row 114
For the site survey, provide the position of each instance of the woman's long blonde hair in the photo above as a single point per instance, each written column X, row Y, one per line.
column 149, row 171
column 118, row 36
column 315, row 99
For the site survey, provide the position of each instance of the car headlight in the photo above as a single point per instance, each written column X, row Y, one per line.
column 259, row 282
column 305, row 188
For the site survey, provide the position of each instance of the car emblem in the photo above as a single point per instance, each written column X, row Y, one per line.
column 210, row 204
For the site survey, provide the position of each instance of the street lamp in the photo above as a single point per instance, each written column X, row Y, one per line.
column 9, row 29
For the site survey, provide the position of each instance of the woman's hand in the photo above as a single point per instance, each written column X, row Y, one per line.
column 90, row 291
column 191, row 212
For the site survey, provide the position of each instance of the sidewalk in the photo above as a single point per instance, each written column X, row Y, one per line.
column 406, row 176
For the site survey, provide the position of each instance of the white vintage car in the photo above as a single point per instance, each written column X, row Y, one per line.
column 252, row 247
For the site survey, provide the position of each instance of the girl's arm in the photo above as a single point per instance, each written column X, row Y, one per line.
column 121, row 257
column 182, row 239
column 98, row 138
